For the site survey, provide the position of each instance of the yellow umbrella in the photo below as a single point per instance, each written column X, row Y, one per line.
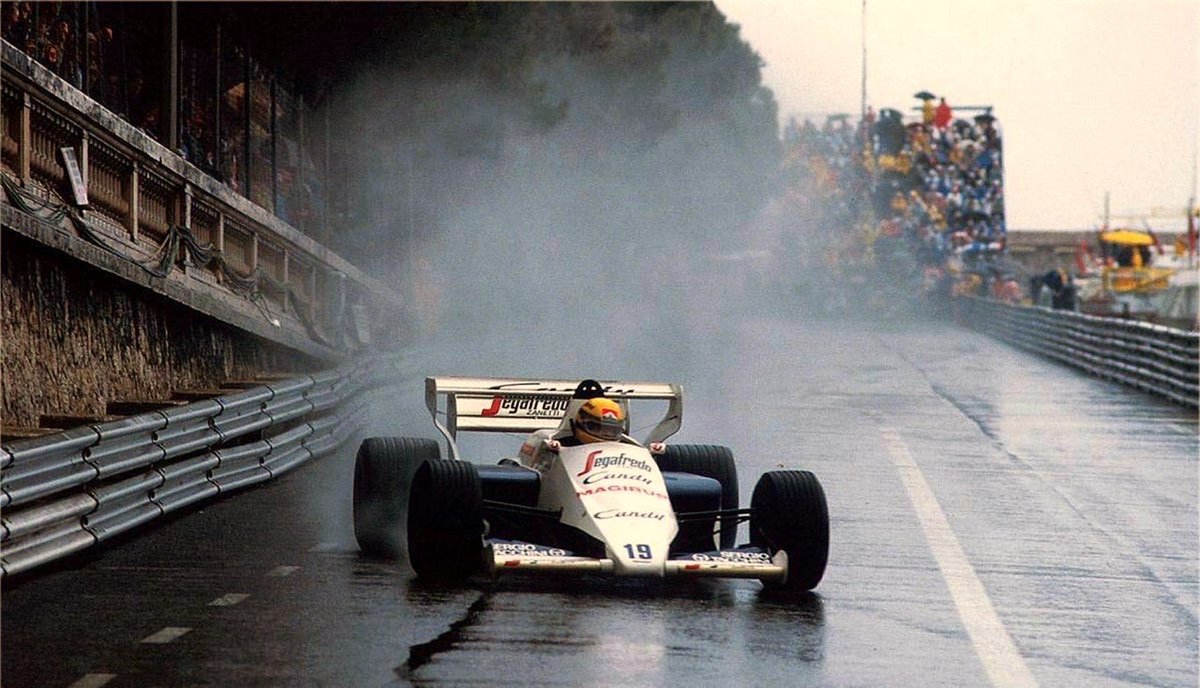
column 1127, row 237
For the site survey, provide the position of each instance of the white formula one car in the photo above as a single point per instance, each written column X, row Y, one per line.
column 608, row 507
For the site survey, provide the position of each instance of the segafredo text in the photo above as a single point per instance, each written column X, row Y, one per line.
column 597, row 462
column 537, row 407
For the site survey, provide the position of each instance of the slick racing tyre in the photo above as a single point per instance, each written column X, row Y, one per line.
column 381, row 470
column 445, row 521
column 788, row 512
column 709, row 461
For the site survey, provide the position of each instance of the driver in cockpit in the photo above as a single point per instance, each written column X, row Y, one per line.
column 599, row 419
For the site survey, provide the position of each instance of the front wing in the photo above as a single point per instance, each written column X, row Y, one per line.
column 508, row 556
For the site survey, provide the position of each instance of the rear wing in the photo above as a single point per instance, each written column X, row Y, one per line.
column 488, row 404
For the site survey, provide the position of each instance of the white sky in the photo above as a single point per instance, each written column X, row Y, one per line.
column 1091, row 96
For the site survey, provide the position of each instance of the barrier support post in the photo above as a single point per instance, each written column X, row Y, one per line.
column 131, row 222
column 24, row 149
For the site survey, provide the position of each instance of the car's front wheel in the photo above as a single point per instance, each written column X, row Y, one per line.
column 445, row 521
column 710, row 461
column 788, row 512
column 381, row 471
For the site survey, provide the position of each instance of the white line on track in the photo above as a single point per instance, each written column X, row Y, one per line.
column 166, row 635
column 228, row 600
column 281, row 571
column 92, row 680
column 1004, row 665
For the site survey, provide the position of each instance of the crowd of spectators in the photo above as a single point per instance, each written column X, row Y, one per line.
column 934, row 187
column 940, row 190
column 98, row 51
column 114, row 54
column 827, row 163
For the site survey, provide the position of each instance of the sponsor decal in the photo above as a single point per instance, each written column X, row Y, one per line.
column 621, row 488
column 597, row 462
column 536, row 407
column 618, row 513
column 733, row 557
column 632, row 477
column 543, row 387
column 525, row 549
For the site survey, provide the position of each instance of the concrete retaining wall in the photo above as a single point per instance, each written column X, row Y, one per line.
column 74, row 337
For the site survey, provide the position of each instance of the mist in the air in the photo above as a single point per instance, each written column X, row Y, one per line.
column 568, row 191
column 581, row 208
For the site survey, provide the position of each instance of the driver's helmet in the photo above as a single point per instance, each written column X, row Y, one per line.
column 599, row 420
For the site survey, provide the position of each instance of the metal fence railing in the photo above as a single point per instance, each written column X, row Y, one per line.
column 1154, row 358
column 63, row 493
column 149, row 207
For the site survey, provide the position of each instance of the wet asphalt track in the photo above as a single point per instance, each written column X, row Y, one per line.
column 996, row 520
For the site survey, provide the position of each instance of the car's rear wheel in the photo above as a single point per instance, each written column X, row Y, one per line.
column 445, row 521
column 789, row 513
column 381, row 471
column 710, row 461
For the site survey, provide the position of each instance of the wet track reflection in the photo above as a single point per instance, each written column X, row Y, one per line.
column 602, row 632
column 996, row 520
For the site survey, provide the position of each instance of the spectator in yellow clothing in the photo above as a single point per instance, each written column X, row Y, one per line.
column 967, row 285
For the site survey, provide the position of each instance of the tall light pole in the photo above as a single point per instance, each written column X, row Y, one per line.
column 863, row 105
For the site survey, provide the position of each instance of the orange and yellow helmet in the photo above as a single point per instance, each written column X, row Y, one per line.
column 599, row 420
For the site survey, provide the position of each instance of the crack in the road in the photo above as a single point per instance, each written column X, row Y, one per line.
column 421, row 654
column 1173, row 598
column 997, row 442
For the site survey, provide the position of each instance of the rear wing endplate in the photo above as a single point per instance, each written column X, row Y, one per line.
column 487, row 404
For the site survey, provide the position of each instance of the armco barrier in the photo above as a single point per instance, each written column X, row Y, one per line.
column 66, row 492
column 1158, row 359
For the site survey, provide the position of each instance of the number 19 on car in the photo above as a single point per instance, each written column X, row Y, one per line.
column 638, row 551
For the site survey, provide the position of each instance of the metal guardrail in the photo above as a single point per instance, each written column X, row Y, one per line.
column 1154, row 358
column 69, row 491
